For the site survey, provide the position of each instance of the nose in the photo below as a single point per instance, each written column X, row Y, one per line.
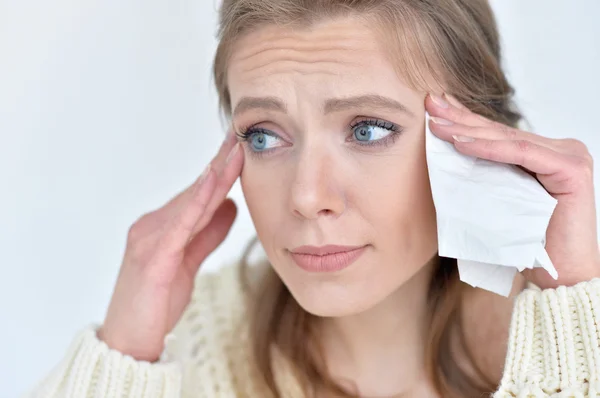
column 315, row 190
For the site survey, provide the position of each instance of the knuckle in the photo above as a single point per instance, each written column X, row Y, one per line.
column 138, row 229
column 133, row 234
column 581, row 151
column 581, row 173
column 582, row 166
column 523, row 145
column 575, row 146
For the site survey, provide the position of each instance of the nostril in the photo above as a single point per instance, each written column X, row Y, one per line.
column 326, row 212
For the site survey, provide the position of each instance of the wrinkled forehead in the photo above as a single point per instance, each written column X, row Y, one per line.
column 341, row 57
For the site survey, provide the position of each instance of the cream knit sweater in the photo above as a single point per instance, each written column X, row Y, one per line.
column 553, row 351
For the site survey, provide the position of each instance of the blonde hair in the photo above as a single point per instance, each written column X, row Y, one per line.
column 453, row 44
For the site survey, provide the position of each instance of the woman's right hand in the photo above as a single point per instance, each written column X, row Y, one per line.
column 164, row 250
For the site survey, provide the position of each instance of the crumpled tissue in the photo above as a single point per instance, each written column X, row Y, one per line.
column 492, row 217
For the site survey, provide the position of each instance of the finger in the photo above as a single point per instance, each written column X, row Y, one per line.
column 221, row 163
column 457, row 115
column 446, row 129
column 221, row 159
column 454, row 101
column 172, row 207
column 439, row 107
column 179, row 229
column 230, row 172
column 207, row 240
column 557, row 171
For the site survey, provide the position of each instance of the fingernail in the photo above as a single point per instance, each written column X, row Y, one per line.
column 439, row 120
column 232, row 153
column 463, row 138
column 439, row 101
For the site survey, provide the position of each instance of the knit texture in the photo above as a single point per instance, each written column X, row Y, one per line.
column 554, row 343
column 553, row 351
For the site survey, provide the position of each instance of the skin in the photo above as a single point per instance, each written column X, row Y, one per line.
column 319, row 186
column 315, row 184
column 564, row 167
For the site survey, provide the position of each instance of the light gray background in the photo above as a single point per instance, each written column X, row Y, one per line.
column 107, row 110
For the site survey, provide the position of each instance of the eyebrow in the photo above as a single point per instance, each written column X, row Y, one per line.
column 261, row 103
column 369, row 100
column 331, row 105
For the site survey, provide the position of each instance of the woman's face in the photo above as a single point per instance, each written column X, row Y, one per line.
column 335, row 155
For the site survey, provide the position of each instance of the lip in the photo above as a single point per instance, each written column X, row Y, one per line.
column 329, row 258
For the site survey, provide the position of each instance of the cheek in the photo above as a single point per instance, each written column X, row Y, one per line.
column 401, row 206
column 256, row 187
column 263, row 192
column 418, row 212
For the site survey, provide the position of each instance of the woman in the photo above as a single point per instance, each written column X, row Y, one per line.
column 327, row 102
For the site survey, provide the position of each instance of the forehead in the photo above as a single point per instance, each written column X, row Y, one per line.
column 341, row 57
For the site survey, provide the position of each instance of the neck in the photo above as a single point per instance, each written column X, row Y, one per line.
column 382, row 349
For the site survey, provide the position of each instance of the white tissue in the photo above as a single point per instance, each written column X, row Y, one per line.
column 492, row 217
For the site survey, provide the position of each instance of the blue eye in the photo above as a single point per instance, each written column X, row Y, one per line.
column 259, row 140
column 363, row 133
column 368, row 131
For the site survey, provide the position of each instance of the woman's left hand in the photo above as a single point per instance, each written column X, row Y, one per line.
column 563, row 166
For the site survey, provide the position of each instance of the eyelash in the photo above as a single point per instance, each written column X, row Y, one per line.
column 388, row 139
column 246, row 133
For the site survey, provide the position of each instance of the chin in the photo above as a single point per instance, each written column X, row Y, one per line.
column 334, row 308
column 336, row 298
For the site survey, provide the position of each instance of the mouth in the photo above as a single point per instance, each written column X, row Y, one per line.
column 329, row 258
